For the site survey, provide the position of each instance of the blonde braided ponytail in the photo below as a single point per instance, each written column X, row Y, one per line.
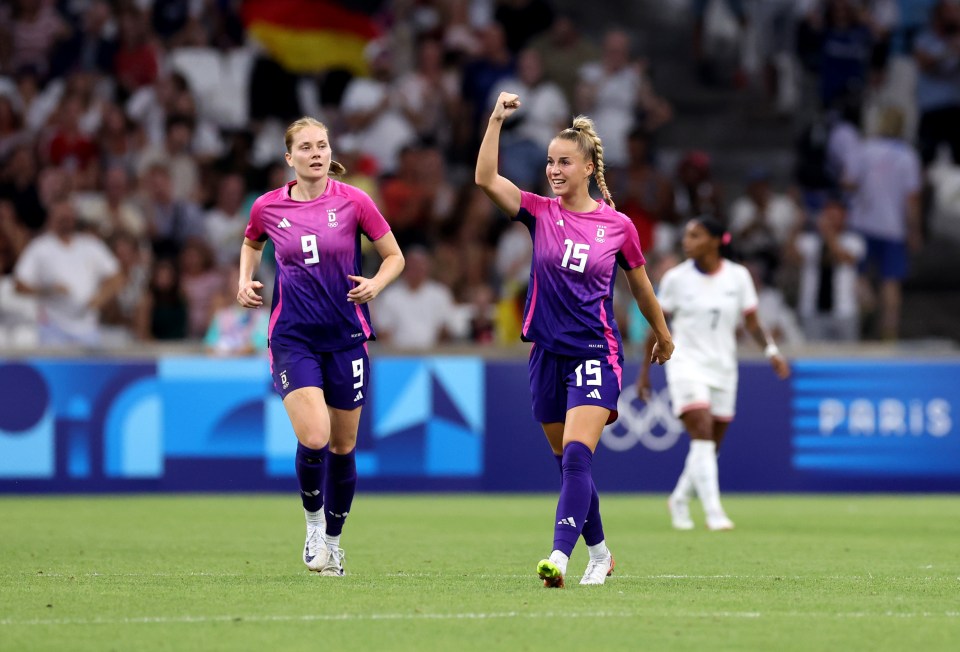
column 585, row 135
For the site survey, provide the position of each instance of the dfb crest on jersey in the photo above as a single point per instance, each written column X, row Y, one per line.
column 332, row 218
column 601, row 230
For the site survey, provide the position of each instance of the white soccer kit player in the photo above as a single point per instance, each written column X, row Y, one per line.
column 705, row 310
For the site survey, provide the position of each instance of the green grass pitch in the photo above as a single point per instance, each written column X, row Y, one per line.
column 456, row 572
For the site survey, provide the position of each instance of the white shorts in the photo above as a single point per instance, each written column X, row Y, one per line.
column 692, row 394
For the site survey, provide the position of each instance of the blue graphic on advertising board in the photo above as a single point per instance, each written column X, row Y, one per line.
column 863, row 419
column 452, row 423
column 204, row 424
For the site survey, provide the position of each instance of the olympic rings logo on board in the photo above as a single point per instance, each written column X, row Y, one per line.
column 653, row 425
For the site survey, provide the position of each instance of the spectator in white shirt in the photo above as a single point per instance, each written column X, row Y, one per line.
column 529, row 131
column 762, row 220
column 616, row 92
column 415, row 312
column 828, row 301
column 885, row 209
column 226, row 221
column 372, row 107
column 73, row 275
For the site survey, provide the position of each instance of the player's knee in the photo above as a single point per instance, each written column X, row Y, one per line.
column 341, row 449
column 314, row 441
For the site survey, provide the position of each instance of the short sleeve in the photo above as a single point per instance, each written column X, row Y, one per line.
column 372, row 221
column 530, row 206
column 27, row 270
column 748, row 292
column 667, row 292
column 630, row 256
column 912, row 172
column 255, row 230
column 854, row 245
column 107, row 264
column 384, row 312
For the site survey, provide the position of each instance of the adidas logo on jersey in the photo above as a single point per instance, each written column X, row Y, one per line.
column 594, row 394
column 358, row 396
column 567, row 521
column 560, row 222
column 284, row 224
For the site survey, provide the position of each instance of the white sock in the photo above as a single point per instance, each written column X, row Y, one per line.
column 684, row 490
column 599, row 551
column 333, row 541
column 560, row 560
column 314, row 519
column 702, row 461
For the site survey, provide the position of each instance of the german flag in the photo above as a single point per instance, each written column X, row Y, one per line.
column 308, row 36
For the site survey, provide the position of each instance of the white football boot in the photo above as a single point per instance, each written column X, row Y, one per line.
column 679, row 512
column 598, row 570
column 315, row 551
column 334, row 564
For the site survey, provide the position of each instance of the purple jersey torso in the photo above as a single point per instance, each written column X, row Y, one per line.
column 569, row 307
column 317, row 246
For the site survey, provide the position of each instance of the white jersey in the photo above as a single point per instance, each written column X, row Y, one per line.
column 705, row 310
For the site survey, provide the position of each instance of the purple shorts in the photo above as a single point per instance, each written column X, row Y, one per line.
column 342, row 375
column 559, row 383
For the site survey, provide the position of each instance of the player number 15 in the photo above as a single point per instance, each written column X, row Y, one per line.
column 576, row 251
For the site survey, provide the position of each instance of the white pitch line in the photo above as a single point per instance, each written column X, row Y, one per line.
column 168, row 620
column 451, row 574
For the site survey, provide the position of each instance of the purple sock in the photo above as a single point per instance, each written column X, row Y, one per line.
column 574, row 497
column 593, row 525
column 339, row 490
column 309, row 463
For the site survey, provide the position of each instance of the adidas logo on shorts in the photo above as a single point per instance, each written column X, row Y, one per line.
column 567, row 521
column 358, row 396
column 594, row 394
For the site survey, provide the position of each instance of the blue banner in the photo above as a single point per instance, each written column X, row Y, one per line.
column 465, row 423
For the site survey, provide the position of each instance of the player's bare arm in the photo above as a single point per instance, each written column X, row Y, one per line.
column 248, row 290
column 392, row 264
column 646, row 299
column 770, row 349
column 499, row 189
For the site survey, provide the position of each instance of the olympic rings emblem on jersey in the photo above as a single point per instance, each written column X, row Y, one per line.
column 332, row 218
column 601, row 230
column 652, row 424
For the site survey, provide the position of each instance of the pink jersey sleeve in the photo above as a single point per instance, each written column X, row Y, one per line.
column 255, row 230
column 372, row 222
column 531, row 203
column 630, row 256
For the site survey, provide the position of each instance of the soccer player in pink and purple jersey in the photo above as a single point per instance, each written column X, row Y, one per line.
column 319, row 323
column 577, row 355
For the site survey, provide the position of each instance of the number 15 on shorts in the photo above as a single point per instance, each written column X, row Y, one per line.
column 589, row 370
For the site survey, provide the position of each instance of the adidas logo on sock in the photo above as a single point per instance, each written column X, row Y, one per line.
column 284, row 224
column 594, row 394
column 567, row 521
column 358, row 396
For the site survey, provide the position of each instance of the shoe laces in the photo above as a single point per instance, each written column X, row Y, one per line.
column 595, row 565
column 315, row 541
column 335, row 560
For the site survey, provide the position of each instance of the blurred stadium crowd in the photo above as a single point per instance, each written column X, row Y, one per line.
column 135, row 135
